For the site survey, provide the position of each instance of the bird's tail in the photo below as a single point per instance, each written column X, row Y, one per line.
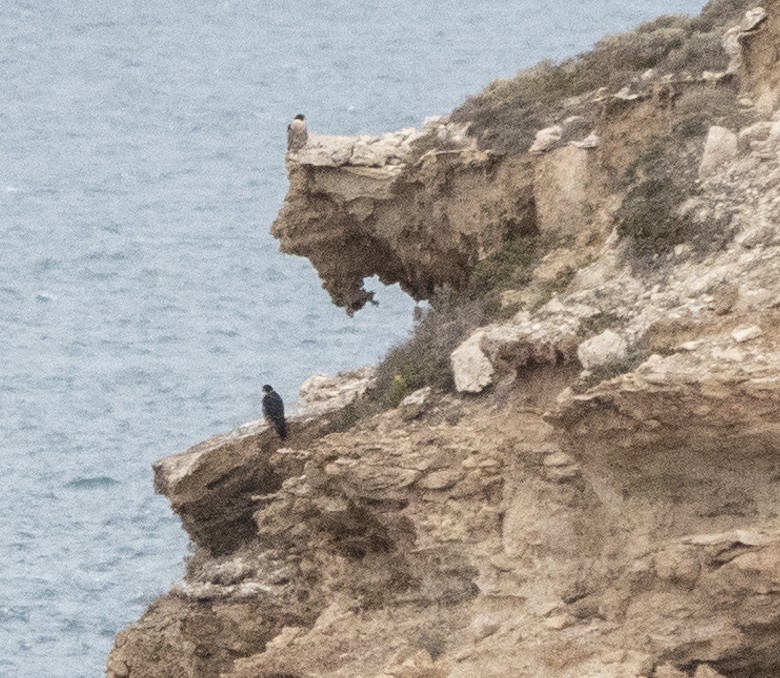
column 281, row 429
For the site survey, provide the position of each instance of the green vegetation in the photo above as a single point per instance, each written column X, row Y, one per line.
column 597, row 323
column 657, row 184
column 510, row 267
column 664, row 176
column 718, row 14
column 699, row 108
column 650, row 215
column 555, row 286
column 698, row 53
column 424, row 360
column 507, row 114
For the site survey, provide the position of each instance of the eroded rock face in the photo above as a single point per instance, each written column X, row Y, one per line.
column 322, row 393
column 425, row 218
column 377, row 206
column 551, row 526
column 483, row 537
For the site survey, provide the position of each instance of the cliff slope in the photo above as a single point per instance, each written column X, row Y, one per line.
column 598, row 494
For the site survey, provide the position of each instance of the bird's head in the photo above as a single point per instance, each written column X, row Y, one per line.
column 267, row 388
column 300, row 116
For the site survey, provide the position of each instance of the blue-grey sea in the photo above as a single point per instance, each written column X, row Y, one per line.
column 142, row 301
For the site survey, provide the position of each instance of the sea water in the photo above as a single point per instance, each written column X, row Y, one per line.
column 142, row 301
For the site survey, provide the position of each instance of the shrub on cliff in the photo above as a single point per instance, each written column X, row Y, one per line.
column 424, row 359
column 698, row 108
column 507, row 114
column 509, row 267
column 649, row 215
column 665, row 175
column 656, row 185
column 698, row 53
column 720, row 14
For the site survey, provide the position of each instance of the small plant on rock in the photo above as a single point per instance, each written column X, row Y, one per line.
column 509, row 267
column 424, row 359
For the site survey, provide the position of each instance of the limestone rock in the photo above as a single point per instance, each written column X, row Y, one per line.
column 546, row 139
column 759, row 131
column 607, row 347
column 326, row 151
column 590, row 141
column 441, row 480
column 725, row 297
column 753, row 19
column 731, row 42
column 720, row 147
column 704, row 671
column 550, row 527
column 471, row 368
column 574, row 127
column 563, row 190
column 321, row 393
column 347, row 210
column 744, row 334
column 415, row 404
column 560, row 467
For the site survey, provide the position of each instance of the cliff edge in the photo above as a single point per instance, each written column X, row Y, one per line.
column 597, row 492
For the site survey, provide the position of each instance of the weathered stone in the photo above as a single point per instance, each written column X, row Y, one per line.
column 440, row 480
column 335, row 555
column 726, row 296
column 326, row 151
column 415, row 404
column 627, row 93
column 563, row 181
column 471, row 368
column 590, row 141
column 347, row 210
column 753, row 19
column 720, row 147
column 744, row 334
column 607, row 347
column 558, row 459
column 321, row 393
column 757, row 132
column 574, row 127
column 546, row 139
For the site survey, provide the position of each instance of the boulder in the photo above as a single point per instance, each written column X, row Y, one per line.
column 721, row 147
column 322, row 393
column 590, row 141
column 607, row 347
column 415, row 403
column 546, row 139
column 743, row 334
column 471, row 368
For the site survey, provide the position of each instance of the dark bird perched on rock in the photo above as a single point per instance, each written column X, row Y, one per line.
column 273, row 410
column 297, row 136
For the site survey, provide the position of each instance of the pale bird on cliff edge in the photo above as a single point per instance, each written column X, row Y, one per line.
column 273, row 410
column 297, row 135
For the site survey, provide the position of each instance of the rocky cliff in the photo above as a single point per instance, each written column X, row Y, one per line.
column 598, row 494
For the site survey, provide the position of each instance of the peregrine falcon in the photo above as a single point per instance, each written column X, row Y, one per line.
column 273, row 410
column 297, row 136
